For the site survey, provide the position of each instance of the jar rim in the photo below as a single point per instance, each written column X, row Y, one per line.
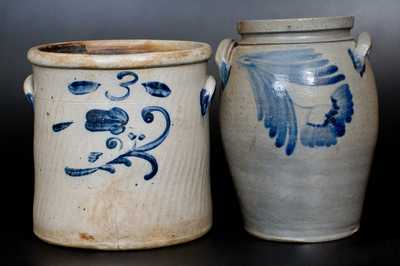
column 295, row 24
column 118, row 54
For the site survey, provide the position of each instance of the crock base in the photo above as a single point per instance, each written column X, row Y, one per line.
column 126, row 245
column 316, row 239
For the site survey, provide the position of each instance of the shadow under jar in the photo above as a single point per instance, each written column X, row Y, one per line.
column 121, row 143
column 299, row 121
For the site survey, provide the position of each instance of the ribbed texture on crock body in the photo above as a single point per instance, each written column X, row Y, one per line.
column 121, row 210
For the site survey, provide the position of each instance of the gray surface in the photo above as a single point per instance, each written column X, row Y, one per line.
column 24, row 23
column 27, row 23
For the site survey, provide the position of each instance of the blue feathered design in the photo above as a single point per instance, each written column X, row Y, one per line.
column 271, row 72
column 341, row 111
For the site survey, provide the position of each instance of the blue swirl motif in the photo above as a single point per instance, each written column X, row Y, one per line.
column 113, row 142
column 271, row 72
column 138, row 152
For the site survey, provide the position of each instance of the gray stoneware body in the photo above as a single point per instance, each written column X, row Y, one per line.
column 299, row 121
column 121, row 144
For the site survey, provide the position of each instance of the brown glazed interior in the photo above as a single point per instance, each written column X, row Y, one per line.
column 110, row 49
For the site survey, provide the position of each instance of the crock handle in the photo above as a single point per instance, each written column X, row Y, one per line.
column 222, row 58
column 206, row 95
column 28, row 90
column 360, row 52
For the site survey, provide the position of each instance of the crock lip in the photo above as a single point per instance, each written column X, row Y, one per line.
column 295, row 24
column 185, row 52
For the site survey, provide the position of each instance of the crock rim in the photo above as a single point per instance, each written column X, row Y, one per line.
column 148, row 53
column 295, row 24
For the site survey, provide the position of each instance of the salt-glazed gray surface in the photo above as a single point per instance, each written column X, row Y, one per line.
column 299, row 120
column 121, row 142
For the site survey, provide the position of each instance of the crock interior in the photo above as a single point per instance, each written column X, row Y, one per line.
column 118, row 54
column 104, row 48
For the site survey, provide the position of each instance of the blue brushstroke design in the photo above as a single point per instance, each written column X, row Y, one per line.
column 138, row 152
column 316, row 72
column 80, row 172
column 131, row 136
column 334, row 125
column 113, row 120
column 269, row 75
column 357, row 63
column 157, row 89
column 224, row 73
column 94, row 156
column 204, row 101
column 148, row 117
column 141, row 137
column 30, row 99
column 124, row 85
column 154, row 88
column 113, row 142
column 82, row 87
column 61, row 126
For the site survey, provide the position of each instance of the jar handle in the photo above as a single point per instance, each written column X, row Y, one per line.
column 360, row 52
column 222, row 58
column 28, row 90
column 206, row 95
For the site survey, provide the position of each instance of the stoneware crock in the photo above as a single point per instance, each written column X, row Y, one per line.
column 121, row 143
column 299, row 120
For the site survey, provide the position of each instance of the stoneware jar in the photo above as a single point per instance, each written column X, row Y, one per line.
column 121, row 145
column 299, row 120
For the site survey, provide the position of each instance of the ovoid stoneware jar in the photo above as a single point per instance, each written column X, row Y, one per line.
column 299, row 120
column 121, row 144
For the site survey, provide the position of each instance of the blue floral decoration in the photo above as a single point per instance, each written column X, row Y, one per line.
column 138, row 152
column 271, row 72
column 113, row 120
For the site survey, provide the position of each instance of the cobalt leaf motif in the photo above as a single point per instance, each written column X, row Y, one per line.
column 157, row 89
column 82, row 87
column 271, row 72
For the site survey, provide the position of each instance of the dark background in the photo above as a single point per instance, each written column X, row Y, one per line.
column 27, row 23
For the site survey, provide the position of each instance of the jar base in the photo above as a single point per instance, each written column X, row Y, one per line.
column 123, row 245
column 315, row 239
